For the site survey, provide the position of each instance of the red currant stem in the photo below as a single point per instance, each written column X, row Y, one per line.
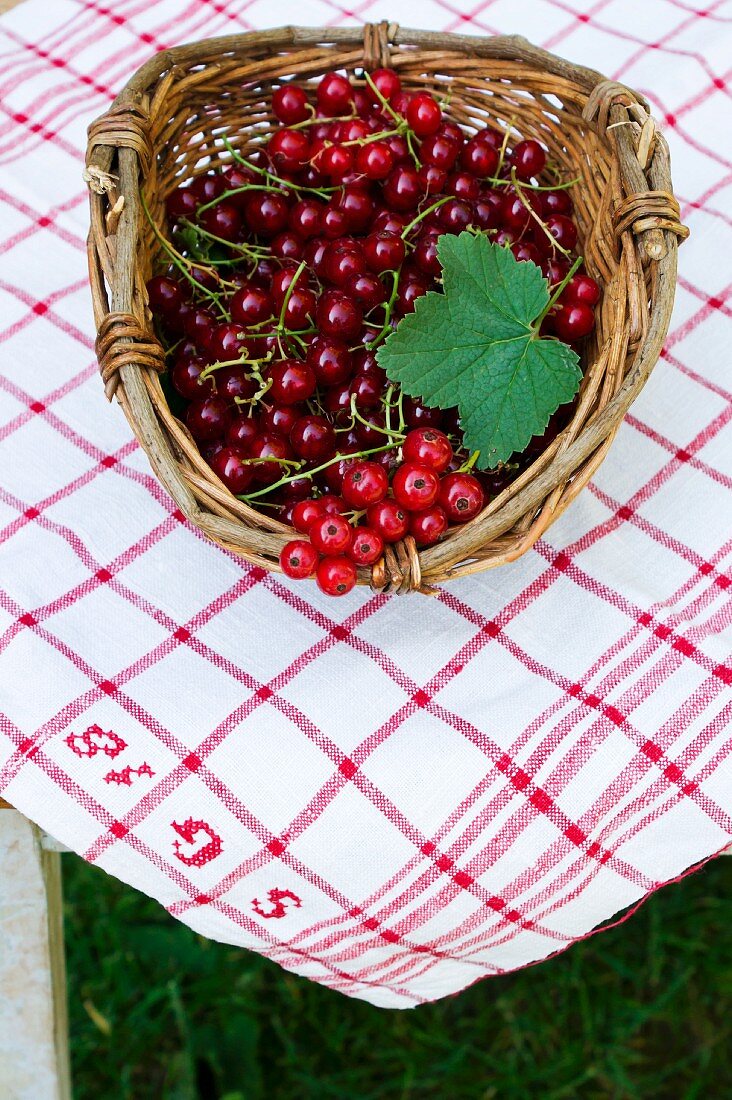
column 387, row 313
column 315, row 119
column 235, row 191
column 356, row 415
column 323, row 192
column 504, row 146
column 314, row 470
column 264, row 386
column 503, row 182
column 423, row 214
column 246, row 250
column 371, row 137
column 409, row 135
column 295, row 463
column 557, row 291
column 468, row 465
column 241, row 362
column 281, row 327
column 525, row 202
column 182, row 263
column 401, row 123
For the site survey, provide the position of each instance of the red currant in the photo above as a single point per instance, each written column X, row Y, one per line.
column 415, row 486
column 292, row 381
column 563, row 231
column 331, row 534
column 290, row 105
column 383, row 252
column 389, row 519
column 305, row 512
column 336, row 576
column 427, row 526
column 375, row 160
column 366, row 547
column 313, row 438
column 334, row 95
column 387, row 83
column 461, row 496
column 428, row 447
column 250, row 306
column 581, row 289
column 289, row 150
column 364, row 483
column 424, row 115
column 272, row 451
column 207, row 418
column 528, row 159
column 241, row 431
column 298, row 559
column 337, row 315
column 573, row 321
column 479, row 158
column 229, row 464
column 402, row 188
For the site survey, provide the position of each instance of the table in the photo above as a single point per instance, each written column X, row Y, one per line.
column 393, row 803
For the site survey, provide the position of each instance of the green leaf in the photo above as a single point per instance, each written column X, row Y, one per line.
column 477, row 346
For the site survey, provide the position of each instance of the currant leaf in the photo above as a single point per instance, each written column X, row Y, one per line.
column 477, row 346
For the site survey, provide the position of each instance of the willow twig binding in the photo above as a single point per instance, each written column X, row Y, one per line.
column 165, row 127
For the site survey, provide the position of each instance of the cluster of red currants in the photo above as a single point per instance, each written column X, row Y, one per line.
column 291, row 266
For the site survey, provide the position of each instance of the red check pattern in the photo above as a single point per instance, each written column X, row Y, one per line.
column 393, row 799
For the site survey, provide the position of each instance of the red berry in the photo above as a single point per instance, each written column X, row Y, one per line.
column 440, row 151
column 207, row 418
column 479, row 158
column 208, row 188
column 332, row 504
column 305, row 512
column 428, row 526
column 250, row 305
column 389, row 519
column 528, row 159
column 555, row 202
column 366, row 547
column 233, row 384
column 461, row 496
column 271, row 450
column 383, row 252
column 364, row 483
column 229, row 464
column 334, row 95
column 387, row 82
column 375, row 160
column 166, row 295
column 313, row 438
column 300, row 309
column 280, row 419
column 185, row 377
column 292, row 381
column 331, row 534
column 338, row 316
column 181, row 203
column 306, row 218
column 456, row 215
column 241, row 431
column 336, row 575
column 581, row 289
column 429, row 447
column 424, row 115
column 418, row 415
column 340, row 263
column 266, row 213
column 402, row 188
column 330, row 360
column 367, row 389
column 298, row 559
column 335, row 162
column 290, row 105
column 563, row 230
column 289, row 150
column 572, row 321
column 415, row 486
column 367, row 290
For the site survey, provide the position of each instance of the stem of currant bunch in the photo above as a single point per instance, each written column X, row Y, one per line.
column 557, row 292
column 307, row 473
column 275, row 181
column 183, row 264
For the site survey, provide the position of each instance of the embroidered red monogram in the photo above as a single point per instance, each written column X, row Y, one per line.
column 188, row 831
column 124, row 776
column 94, row 740
column 277, row 900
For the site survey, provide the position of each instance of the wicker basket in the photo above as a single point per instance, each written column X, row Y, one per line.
column 165, row 127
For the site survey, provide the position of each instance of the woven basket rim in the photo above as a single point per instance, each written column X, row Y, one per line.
column 120, row 150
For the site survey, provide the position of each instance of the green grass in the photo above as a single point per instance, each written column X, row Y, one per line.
column 640, row 1011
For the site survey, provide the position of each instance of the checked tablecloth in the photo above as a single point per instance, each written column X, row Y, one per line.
column 393, row 797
